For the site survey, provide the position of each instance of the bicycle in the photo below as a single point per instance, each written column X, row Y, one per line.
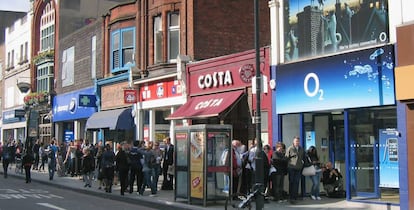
column 242, row 201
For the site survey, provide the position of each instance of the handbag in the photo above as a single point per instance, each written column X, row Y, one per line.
column 309, row 171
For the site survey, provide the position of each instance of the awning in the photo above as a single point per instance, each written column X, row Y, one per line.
column 206, row 106
column 116, row 119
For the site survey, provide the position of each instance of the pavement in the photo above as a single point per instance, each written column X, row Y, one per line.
column 165, row 199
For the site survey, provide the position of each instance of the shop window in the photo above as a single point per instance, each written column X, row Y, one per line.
column 122, row 49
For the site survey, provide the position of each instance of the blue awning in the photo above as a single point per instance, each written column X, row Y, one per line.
column 116, row 119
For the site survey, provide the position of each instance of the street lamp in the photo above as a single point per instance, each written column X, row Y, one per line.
column 259, row 162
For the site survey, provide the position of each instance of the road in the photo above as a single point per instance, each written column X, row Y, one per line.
column 16, row 194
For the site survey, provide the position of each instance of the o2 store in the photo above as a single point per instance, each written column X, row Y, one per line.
column 345, row 106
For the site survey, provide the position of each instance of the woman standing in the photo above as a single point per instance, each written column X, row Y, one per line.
column 312, row 154
column 88, row 166
column 279, row 161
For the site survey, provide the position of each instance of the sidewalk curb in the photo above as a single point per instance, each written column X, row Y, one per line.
column 153, row 202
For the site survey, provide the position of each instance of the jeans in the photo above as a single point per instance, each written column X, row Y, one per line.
column 294, row 179
column 87, row 177
column 51, row 168
column 315, row 184
column 148, row 174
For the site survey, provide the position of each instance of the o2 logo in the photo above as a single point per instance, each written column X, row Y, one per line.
column 316, row 90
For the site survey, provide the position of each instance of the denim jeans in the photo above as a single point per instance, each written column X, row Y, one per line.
column 315, row 184
column 148, row 174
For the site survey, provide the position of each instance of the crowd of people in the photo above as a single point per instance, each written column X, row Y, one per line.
column 278, row 163
column 138, row 163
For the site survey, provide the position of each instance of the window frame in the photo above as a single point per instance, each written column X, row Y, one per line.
column 171, row 29
column 122, row 65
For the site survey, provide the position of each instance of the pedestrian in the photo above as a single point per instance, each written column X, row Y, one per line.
column 135, row 170
column 279, row 161
column 36, row 154
column 71, row 158
column 27, row 162
column 313, row 158
column 148, row 170
column 98, row 158
column 157, row 166
column 108, row 158
column 52, row 159
column 168, row 161
column 43, row 157
column 122, row 166
column 6, row 157
column 88, row 166
column 295, row 154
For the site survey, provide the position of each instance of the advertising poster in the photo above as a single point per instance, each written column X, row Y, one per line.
column 310, row 139
column 388, row 158
column 356, row 79
column 197, row 185
column 181, row 148
column 196, row 151
column 317, row 28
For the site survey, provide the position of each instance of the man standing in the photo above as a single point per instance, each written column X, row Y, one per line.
column 168, row 162
column 52, row 155
column 295, row 154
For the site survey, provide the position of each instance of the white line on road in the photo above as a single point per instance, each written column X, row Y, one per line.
column 50, row 206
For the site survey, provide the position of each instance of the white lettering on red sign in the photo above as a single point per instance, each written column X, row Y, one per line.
column 215, row 80
column 209, row 103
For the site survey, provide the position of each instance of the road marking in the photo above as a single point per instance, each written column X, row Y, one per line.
column 50, row 206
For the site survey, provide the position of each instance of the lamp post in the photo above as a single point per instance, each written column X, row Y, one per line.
column 259, row 162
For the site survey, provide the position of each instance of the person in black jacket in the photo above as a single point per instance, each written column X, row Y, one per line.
column 122, row 166
column 135, row 170
column 27, row 162
column 107, row 162
column 279, row 161
column 168, row 161
column 88, row 166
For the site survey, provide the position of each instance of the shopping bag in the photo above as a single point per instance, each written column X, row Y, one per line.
column 309, row 171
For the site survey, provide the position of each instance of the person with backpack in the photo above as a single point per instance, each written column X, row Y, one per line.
column 51, row 153
column 135, row 168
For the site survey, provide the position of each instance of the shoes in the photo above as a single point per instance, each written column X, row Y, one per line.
column 313, row 197
column 153, row 194
column 318, row 198
column 292, row 202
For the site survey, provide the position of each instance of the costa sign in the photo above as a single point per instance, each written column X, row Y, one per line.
column 216, row 79
column 209, row 103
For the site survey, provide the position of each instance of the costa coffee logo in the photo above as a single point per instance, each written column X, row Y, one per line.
column 216, row 79
column 209, row 103
column 246, row 73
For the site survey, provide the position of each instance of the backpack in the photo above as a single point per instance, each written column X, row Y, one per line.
column 151, row 160
column 51, row 153
column 135, row 159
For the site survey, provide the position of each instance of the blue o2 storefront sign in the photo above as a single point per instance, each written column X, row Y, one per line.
column 68, row 106
column 357, row 79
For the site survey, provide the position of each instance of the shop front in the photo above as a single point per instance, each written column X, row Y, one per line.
column 345, row 106
column 114, row 122
column 220, row 92
column 70, row 112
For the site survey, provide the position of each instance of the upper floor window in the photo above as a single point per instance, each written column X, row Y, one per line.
column 47, row 28
column 122, row 49
column 157, row 39
column 47, row 38
column 173, row 36
column 45, row 77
